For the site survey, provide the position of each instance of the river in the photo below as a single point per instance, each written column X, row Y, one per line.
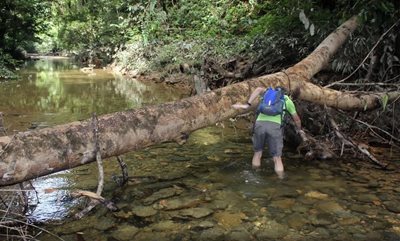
column 202, row 190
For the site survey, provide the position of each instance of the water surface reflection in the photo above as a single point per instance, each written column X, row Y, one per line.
column 55, row 91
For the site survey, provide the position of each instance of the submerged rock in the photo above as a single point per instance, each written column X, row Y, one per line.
column 360, row 208
column 212, row 234
column 320, row 233
column 75, row 226
column 144, row 211
column 166, row 226
column 322, row 219
column 316, row 195
column 125, row 233
column 123, row 214
column 393, row 206
column 296, row 221
column 219, row 204
column 272, row 230
column 196, row 212
column 229, row 220
column 151, row 235
column 178, row 203
column 239, row 235
column 204, row 225
column 161, row 194
column 366, row 198
column 285, row 204
column 349, row 220
column 105, row 223
column 329, row 207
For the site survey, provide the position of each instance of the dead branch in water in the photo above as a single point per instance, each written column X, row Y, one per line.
column 360, row 147
column 124, row 170
column 94, row 201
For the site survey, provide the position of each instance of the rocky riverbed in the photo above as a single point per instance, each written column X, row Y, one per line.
column 207, row 190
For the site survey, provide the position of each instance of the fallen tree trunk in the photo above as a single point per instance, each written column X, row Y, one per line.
column 31, row 154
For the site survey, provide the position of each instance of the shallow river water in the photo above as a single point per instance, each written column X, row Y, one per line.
column 202, row 190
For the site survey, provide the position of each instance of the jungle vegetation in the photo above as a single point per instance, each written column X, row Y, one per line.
column 147, row 35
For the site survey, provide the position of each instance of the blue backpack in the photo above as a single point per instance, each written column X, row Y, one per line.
column 273, row 102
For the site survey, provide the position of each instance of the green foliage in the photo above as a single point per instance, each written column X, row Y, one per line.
column 20, row 20
column 210, row 19
column 6, row 64
column 153, row 34
column 377, row 17
column 133, row 57
column 82, row 26
column 193, row 52
column 186, row 32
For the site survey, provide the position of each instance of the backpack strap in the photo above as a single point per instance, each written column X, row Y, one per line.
column 257, row 111
column 283, row 110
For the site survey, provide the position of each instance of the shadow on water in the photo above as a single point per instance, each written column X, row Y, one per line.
column 203, row 190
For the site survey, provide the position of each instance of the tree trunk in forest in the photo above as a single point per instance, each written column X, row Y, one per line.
column 31, row 154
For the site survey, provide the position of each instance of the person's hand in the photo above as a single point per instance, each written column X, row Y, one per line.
column 240, row 106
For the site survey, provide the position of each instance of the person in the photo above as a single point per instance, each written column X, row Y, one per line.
column 268, row 129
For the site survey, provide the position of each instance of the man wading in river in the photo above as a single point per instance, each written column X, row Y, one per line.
column 268, row 126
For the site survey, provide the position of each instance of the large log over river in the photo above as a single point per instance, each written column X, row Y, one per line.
column 31, row 154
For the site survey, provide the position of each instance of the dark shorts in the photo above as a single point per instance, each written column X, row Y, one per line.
column 266, row 132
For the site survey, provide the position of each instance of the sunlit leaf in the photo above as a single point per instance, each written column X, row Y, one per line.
column 384, row 101
column 303, row 18
column 312, row 29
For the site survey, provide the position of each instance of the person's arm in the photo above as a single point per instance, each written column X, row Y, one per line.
column 296, row 118
column 297, row 121
column 258, row 91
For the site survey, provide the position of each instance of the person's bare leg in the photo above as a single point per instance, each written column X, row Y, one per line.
column 256, row 162
column 279, row 170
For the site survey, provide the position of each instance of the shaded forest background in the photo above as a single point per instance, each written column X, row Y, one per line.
column 157, row 34
column 217, row 42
